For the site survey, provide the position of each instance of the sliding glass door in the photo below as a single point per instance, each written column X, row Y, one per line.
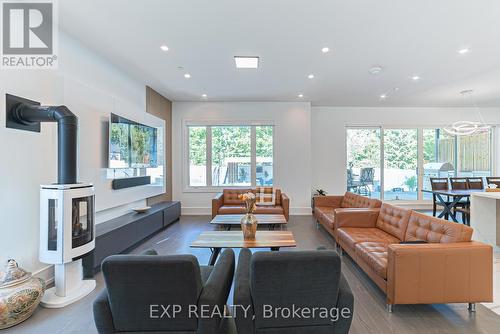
column 395, row 163
column 363, row 161
column 400, row 164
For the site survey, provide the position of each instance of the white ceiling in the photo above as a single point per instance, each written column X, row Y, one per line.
column 406, row 38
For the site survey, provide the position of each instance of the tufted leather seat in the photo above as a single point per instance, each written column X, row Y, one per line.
column 325, row 206
column 448, row 268
column 350, row 236
column 375, row 255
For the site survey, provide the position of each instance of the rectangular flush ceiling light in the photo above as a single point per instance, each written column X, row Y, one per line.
column 246, row 62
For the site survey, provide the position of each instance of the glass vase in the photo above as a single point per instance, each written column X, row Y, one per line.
column 248, row 226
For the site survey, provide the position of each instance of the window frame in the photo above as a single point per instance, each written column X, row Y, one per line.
column 494, row 158
column 209, row 188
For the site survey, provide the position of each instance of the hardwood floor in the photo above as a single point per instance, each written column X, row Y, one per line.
column 370, row 315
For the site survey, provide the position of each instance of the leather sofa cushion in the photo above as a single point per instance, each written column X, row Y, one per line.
column 393, row 220
column 352, row 200
column 231, row 196
column 240, row 209
column 351, row 236
column 270, row 210
column 231, row 210
column 326, row 214
column 374, row 254
column 435, row 230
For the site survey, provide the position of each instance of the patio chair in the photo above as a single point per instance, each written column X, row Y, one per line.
column 365, row 180
column 352, row 185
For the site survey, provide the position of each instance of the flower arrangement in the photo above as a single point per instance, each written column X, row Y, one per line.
column 249, row 199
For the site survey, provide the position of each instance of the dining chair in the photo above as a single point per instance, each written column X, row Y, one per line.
column 459, row 183
column 475, row 183
column 493, row 180
column 438, row 183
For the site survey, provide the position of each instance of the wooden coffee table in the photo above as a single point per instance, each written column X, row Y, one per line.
column 216, row 240
column 228, row 221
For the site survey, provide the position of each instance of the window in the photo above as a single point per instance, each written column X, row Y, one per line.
column 198, row 156
column 385, row 163
column 230, row 155
column 363, row 161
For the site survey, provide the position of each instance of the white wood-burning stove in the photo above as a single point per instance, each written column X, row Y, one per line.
column 67, row 232
column 67, row 208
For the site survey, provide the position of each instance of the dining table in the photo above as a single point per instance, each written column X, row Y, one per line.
column 456, row 195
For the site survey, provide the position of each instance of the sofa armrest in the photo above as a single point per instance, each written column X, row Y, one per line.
column 217, row 202
column 331, row 201
column 242, row 295
column 353, row 217
column 459, row 272
column 285, row 203
column 102, row 313
column 345, row 300
column 216, row 290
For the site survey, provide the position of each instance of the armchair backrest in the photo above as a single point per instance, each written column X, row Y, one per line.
column 287, row 279
column 138, row 286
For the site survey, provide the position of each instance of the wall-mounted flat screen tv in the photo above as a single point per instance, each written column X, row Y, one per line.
column 131, row 144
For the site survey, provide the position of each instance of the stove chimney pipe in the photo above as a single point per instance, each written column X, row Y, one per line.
column 67, row 135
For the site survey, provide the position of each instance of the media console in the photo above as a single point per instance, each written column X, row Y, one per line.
column 120, row 234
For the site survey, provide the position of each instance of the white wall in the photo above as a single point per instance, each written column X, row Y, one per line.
column 328, row 133
column 92, row 88
column 292, row 147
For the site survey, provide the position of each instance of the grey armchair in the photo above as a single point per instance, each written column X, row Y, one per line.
column 268, row 282
column 135, row 282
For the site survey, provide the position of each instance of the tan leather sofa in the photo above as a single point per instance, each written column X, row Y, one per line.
column 325, row 207
column 450, row 268
column 228, row 203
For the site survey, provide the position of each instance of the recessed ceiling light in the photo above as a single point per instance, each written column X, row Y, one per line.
column 415, row 78
column 375, row 70
column 204, row 96
column 246, row 62
column 383, row 96
column 164, row 48
column 311, row 76
column 395, row 89
column 300, row 96
column 325, row 50
column 187, row 75
column 463, row 51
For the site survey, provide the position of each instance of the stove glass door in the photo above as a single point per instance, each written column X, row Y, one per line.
column 82, row 221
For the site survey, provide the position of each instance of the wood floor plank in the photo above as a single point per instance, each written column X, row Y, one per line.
column 370, row 315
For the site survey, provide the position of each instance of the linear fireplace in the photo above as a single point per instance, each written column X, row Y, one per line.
column 67, row 208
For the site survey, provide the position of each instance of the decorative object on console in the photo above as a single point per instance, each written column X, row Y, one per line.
column 20, row 294
column 248, row 221
column 142, row 210
column 67, row 209
column 492, row 188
